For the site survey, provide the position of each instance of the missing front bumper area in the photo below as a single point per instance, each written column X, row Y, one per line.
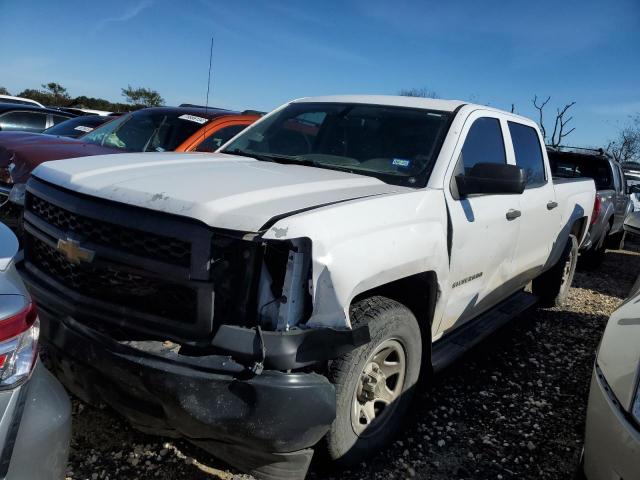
column 262, row 424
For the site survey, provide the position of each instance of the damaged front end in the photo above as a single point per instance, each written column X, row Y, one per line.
column 184, row 329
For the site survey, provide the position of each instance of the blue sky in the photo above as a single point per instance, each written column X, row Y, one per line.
column 490, row 52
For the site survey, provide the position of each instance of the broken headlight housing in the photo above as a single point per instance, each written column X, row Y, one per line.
column 261, row 282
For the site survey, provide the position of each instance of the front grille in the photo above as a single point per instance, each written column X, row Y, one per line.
column 137, row 242
column 109, row 284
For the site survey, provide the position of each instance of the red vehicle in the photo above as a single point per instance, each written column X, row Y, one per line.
column 179, row 129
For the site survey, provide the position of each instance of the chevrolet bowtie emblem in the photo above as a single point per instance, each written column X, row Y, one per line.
column 74, row 252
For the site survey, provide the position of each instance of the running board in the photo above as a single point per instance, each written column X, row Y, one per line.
column 451, row 346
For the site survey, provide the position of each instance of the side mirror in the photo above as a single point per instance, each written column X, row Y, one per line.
column 496, row 178
column 632, row 223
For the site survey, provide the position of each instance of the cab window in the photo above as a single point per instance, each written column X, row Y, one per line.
column 484, row 144
column 214, row 141
column 526, row 146
column 24, row 121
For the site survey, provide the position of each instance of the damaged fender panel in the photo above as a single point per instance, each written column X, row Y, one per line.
column 352, row 255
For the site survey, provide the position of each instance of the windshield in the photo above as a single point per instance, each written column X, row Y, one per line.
column 395, row 144
column 146, row 131
column 76, row 127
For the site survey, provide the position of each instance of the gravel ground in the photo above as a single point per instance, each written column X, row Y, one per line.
column 512, row 408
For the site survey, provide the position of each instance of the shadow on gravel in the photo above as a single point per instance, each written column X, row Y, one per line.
column 620, row 267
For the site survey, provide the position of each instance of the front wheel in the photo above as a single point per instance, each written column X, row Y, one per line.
column 374, row 383
column 552, row 287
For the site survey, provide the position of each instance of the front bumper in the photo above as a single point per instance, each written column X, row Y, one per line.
column 258, row 423
column 612, row 441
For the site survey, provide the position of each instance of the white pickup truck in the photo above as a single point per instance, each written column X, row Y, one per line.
column 289, row 291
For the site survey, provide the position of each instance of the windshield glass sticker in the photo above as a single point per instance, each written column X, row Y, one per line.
column 401, row 162
column 82, row 128
column 193, row 118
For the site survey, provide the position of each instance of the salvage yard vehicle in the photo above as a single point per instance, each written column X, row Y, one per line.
column 29, row 118
column 612, row 437
column 287, row 292
column 632, row 223
column 78, row 126
column 148, row 130
column 35, row 412
column 612, row 203
column 19, row 101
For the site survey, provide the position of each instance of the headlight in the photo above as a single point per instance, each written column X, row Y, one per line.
column 17, row 193
column 5, row 174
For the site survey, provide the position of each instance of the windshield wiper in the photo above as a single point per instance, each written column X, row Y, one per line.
column 260, row 156
column 288, row 160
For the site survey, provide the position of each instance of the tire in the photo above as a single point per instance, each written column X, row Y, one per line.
column 552, row 287
column 395, row 335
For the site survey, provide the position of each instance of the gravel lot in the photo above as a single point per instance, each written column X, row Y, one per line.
column 512, row 408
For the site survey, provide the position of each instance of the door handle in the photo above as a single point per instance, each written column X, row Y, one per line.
column 513, row 214
column 552, row 205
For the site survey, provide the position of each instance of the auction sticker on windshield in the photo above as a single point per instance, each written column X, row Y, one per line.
column 193, row 118
column 82, row 128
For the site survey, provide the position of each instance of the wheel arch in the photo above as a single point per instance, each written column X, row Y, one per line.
column 419, row 293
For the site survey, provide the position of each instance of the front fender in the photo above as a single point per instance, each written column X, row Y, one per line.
column 366, row 243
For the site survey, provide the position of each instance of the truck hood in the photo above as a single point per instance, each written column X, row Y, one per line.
column 619, row 351
column 28, row 150
column 220, row 190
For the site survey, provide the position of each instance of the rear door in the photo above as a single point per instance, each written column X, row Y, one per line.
column 540, row 220
column 482, row 238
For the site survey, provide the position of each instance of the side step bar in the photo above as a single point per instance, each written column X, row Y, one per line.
column 451, row 346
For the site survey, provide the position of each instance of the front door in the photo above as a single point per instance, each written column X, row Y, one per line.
column 483, row 239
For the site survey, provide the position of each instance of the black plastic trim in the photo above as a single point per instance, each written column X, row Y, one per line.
column 290, row 350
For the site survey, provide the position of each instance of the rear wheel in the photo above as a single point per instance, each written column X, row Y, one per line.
column 374, row 383
column 552, row 287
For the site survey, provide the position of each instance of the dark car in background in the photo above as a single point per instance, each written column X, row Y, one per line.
column 78, row 126
column 612, row 202
column 30, row 118
column 159, row 129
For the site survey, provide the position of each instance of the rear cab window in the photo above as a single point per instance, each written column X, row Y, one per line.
column 576, row 165
column 528, row 153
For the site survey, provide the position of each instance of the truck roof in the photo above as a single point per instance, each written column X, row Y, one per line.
column 391, row 100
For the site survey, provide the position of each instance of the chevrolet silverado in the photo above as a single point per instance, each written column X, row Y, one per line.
column 287, row 293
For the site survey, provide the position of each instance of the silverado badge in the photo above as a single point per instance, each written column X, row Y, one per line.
column 72, row 250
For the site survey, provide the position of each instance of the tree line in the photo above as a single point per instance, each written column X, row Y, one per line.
column 53, row 94
column 624, row 146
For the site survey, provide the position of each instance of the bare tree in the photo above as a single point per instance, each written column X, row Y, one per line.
column 626, row 147
column 559, row 124
column 418, row 92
